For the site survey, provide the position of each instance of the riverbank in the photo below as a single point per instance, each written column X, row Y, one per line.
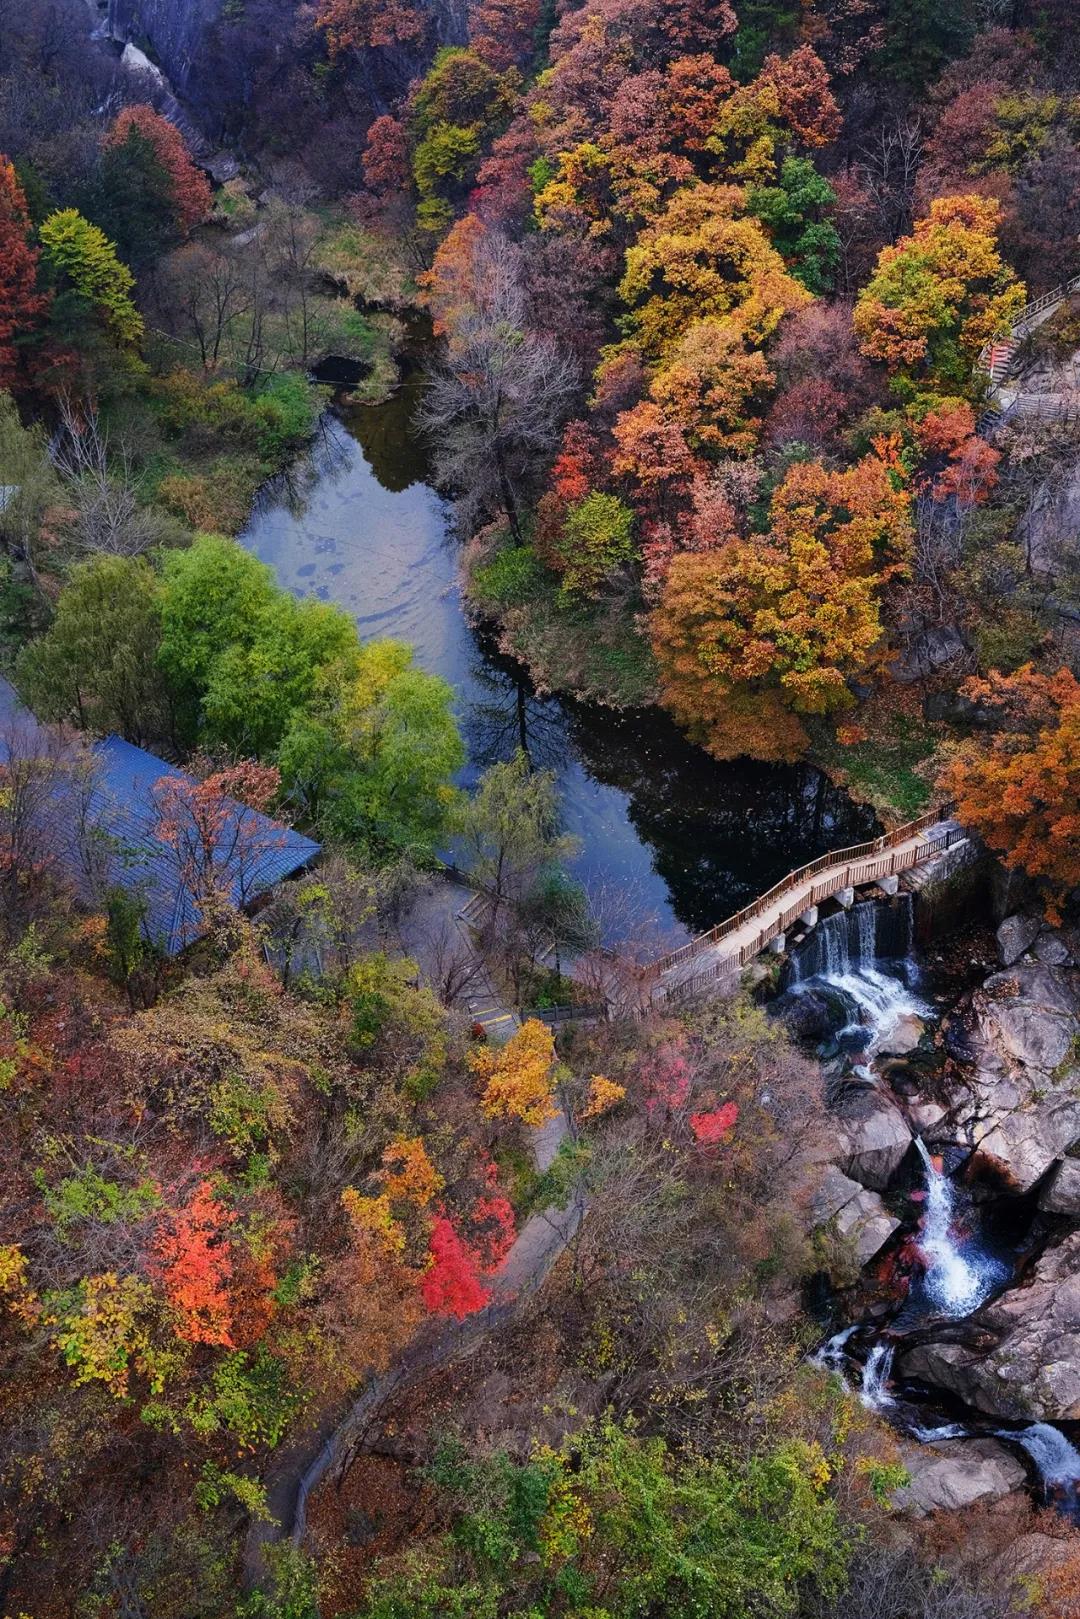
column 883, row 752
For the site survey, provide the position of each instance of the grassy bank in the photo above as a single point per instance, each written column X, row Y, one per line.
column 592, row 651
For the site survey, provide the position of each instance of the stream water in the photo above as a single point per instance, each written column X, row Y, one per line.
column 670, row 839
column 954, row 1251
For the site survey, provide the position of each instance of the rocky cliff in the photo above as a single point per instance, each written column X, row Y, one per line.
column 170, row 31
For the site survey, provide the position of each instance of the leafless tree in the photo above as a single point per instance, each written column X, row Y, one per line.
column 99, row 480
column 888, row 167
column 494, row 410
column 451, row 968
column 888, row 1582
column 201, row 295
column 42, row 772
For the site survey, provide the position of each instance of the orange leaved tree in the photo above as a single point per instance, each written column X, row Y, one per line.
column 518, row 1078
column 1019, row 787
column 704, row 256
column 21, row 305
column 761, row 630
column 189, row 189
column 939, row 294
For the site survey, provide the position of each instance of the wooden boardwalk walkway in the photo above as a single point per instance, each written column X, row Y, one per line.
column 724, row 950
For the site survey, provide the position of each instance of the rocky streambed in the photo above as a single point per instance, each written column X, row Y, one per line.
column 952, row 1197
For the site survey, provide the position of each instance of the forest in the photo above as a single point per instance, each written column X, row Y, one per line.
column 340, row 1277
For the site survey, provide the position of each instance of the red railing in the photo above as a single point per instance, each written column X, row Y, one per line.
column 885, row 866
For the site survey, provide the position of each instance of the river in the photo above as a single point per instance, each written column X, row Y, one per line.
column 671, row 840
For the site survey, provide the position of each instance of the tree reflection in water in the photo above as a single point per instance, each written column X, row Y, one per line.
column 675, row 834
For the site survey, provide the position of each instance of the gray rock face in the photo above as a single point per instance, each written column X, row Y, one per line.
column 859, row 1216
column 873, row 1137
column 1020, row 1356
column 927, row 653
column 1062, row 1194
column 1016, row 935
column 1052, row 949
column 172, row 30
column 1020, row 1101
column 903, row 1037
column 957, row 1475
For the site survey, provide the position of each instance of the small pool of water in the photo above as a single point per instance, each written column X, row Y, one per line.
column 676, row 839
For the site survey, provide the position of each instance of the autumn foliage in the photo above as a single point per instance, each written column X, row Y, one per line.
column 189, row 189
column 451, row 1285
column 196, row 1267
column 760, row 630
column 940, row 293
column 517, row 1079
column 1019, row 789
column 21, row 305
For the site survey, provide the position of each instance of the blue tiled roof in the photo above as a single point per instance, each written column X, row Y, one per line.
column 119, row 806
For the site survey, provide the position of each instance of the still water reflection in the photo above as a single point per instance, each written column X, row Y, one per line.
column 669, row 831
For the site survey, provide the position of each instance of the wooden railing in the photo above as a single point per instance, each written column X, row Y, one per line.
column 825, row 862
column 1022, row 324
column 888, row 865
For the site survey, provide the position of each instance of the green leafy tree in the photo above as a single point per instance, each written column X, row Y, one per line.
column 922, row 35
column 240, row 648
column 81, row 257
column 375, row 754
column 97, row 665
column 131, row 200
column 618, row 1525
column 509, row 831
column 596, row 538
column 794, row 212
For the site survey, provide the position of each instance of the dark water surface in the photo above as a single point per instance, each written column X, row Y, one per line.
column 671, row 832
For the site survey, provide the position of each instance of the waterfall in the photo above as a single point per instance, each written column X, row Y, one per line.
column 842, row 952
column 831, row 1357
column 958, row 1278
column 875, row 1379
column 1057, row 1462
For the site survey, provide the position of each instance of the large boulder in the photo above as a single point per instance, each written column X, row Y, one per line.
column 1018, row 1099
column 1015, row 937
column 872, row 1138
column 928, row 652
column 857, row 1215
column 1061, row 1194
column 1019, row 1357
column 961, row 1473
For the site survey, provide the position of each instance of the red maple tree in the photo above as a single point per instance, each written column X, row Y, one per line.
column 195, row 1264
column 451, row 1284
column 189, row 189
column 21, row 305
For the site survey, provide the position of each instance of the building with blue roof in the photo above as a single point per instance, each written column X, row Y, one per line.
column 100, row 825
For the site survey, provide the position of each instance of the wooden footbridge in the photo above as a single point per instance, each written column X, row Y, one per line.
column 721, row 952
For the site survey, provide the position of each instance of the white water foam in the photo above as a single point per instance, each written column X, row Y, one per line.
column 831, row 1357
column 958, row 1278
column 875, row 1379
column 842, row 954
column 944, row 1430
column 1057, row 1460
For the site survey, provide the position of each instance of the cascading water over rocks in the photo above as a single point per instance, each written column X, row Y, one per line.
column 863, row 956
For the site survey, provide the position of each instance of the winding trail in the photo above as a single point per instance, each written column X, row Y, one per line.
column 302, row 1466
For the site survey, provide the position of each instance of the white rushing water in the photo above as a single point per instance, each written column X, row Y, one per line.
column 958, row 1277
column 875, row 1379
column 831, row 1357
column 1057, row 1460
column 842, row 953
